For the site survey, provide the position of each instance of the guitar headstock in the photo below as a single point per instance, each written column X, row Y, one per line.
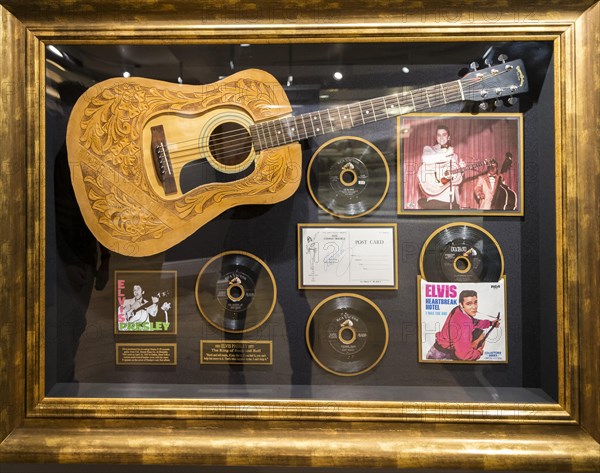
column 493, row 82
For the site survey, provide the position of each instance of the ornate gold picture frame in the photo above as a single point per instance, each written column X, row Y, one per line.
column 284, row 431
column 474, row 193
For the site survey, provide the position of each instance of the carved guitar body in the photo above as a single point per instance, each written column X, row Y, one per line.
column 114, row 137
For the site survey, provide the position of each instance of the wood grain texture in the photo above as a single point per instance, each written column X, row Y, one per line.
column 587, row 81
column 12, row 211
column 314, row 444
column 486, row 444
column 76, row 14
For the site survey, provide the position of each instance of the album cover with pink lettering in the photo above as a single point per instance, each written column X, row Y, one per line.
column 462, row 322
column 145, row 302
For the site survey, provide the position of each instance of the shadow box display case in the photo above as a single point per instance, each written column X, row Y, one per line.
column 311, row 234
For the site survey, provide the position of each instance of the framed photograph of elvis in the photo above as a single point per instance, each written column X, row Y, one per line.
column 460, row 164
column 462, row 322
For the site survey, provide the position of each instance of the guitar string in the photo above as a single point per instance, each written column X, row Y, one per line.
column 378, row 105
column 235, row 145
column 242, row 144
column 243, row 135
column 438, row 92
column 421, row 91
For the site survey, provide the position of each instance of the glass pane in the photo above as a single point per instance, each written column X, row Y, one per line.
column 130, row 326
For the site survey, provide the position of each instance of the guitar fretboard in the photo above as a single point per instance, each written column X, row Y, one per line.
column 287, row 130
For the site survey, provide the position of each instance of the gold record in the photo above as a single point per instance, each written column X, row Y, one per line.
column 236, row 292
column 347, row 334
column 461, row 252
column 348, row 177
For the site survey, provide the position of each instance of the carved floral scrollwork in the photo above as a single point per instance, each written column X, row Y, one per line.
column 110, row 134
column 273, row 171
column 113, row 120
column 120, row 214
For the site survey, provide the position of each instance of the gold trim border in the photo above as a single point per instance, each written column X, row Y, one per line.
column 459, row 224
column 265, row 267
column 300, row 262
column 554, row 437
column 460, row 362
column 314, row 313
column 459, row 212
column 360, row 140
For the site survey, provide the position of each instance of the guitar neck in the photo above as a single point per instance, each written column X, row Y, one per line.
column 469, row 167
column 273, row 133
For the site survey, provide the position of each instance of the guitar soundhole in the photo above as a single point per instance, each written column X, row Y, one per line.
column 230, row 144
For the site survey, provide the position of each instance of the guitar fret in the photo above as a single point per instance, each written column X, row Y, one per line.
column 331, row 121
column 413, row 100
column 341, row 119
column 404, row 102
column 254, row 134
column 397, row 96
column 443, row 94
column 321, row 122
column 263, row 135
column 462, row 93
column 361, row 113
column 316, row 128
column 289, row 130
column 386, row 108
column 374, row 113
column 382, row 107
column 311, row 121
column 457, row 90
column 278, row 132
column 367, row 112
column 304, row 126
column 350, row 115
column 312, row 124
column 270, row 136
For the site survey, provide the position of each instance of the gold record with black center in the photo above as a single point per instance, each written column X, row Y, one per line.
column 461, row 252
column 347, row 334
column 236, row 292
column 348, row 177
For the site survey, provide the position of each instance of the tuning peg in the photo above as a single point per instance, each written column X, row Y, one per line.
column 483, row 106
column 511, row 100
column 502, row 58
column 473, row 66
column 488, row 62
column 497, row 103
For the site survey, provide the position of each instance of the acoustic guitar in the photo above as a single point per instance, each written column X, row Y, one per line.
column 436, row 177
column 128, row 140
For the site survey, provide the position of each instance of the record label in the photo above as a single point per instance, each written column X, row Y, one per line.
column 347, row 334
column 348, row 177
column 235, row 292
column 461, row 252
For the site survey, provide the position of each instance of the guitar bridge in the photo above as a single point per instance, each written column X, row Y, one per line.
column 162, row 160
